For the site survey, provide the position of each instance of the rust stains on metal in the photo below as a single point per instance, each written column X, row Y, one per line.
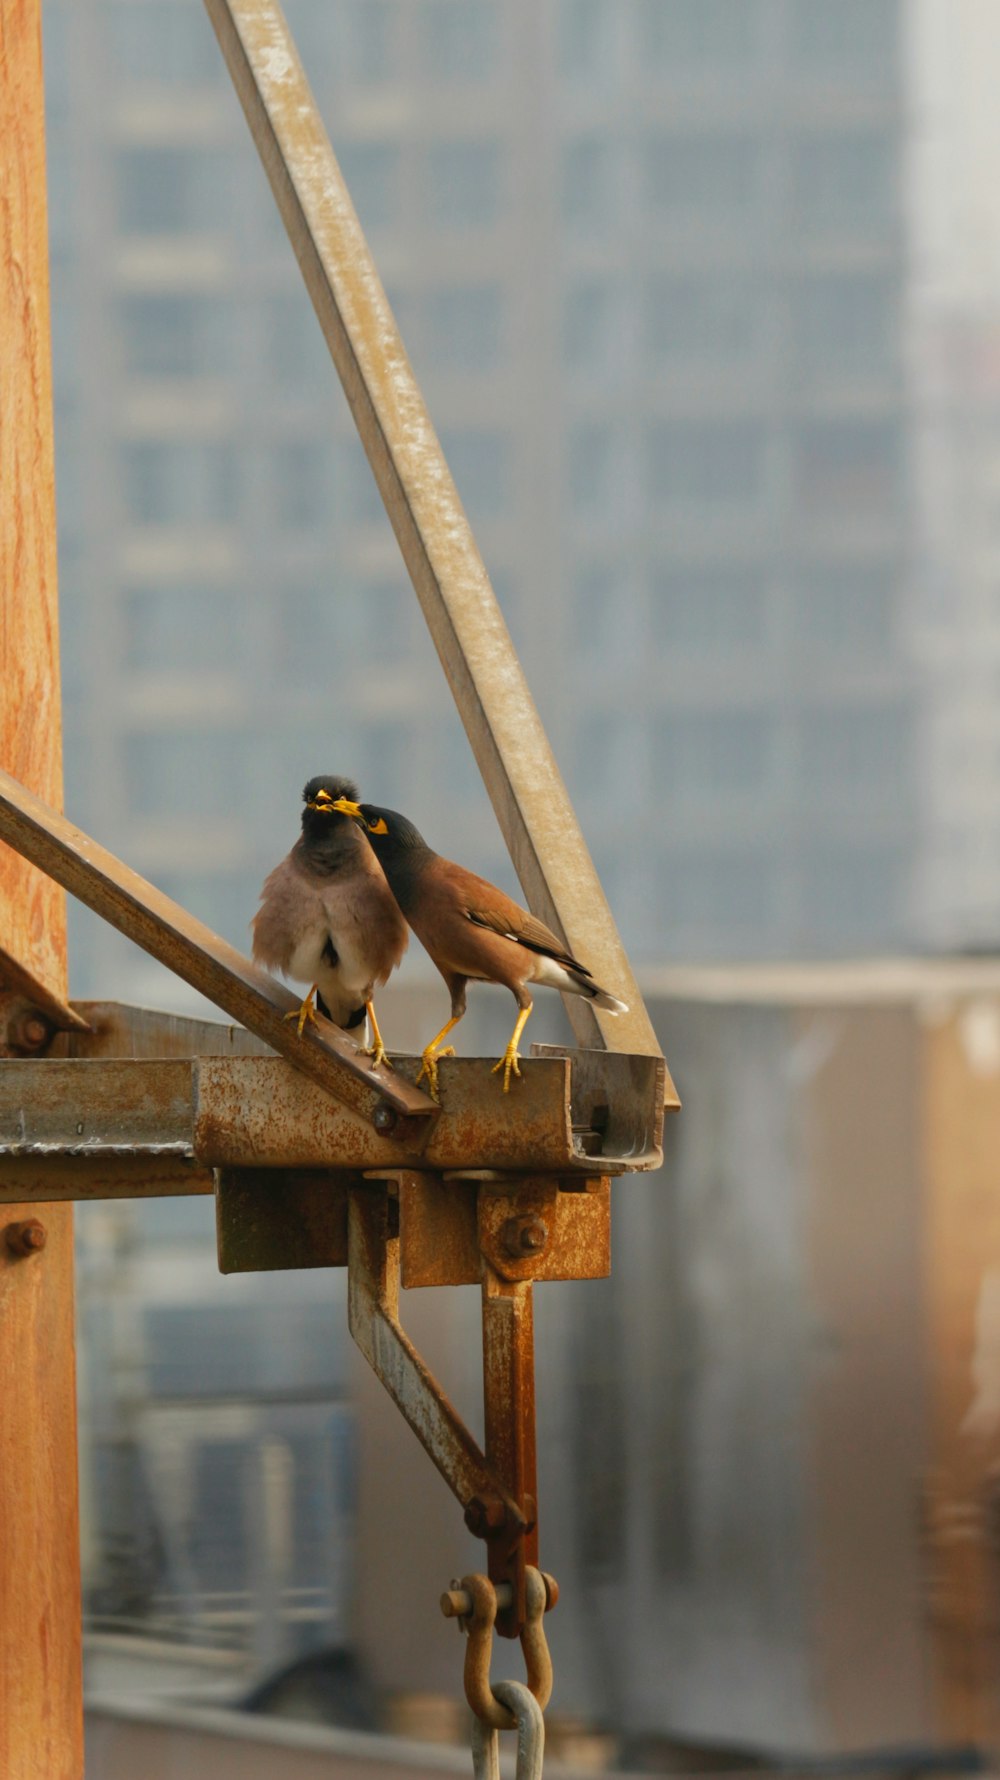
column 194, row 952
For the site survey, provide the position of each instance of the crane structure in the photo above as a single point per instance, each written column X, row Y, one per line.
column 314, row 1157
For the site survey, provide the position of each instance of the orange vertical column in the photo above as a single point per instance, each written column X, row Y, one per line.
column 41, row 1730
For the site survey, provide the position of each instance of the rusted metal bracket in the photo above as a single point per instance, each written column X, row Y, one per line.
column 373, row 1316
column 497, row 1489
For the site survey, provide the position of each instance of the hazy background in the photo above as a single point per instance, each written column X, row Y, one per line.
column 704, row 296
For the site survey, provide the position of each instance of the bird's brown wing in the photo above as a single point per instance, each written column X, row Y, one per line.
column 486, row 906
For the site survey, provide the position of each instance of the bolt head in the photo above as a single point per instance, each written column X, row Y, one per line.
column 524, row 1236
column 384, row 1117
column 26, row 1238
column 483, row 1516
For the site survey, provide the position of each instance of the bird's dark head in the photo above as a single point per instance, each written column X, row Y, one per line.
column 389, row 833
column 320, row 804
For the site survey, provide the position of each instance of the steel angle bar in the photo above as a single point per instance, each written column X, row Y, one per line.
column 207, row 962
column 447, row 571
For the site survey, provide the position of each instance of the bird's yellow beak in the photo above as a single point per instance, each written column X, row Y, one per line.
column 344, row 807
column 322, row 801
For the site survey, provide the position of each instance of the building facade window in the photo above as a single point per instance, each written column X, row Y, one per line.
column 710, row 609
column 464, row 183
column 855, row 37
column 706, row 463
column 176, row 334
column 169, row 190
column 461, row 40
column 175, row 481
column 463, row 327
column 705, row 178
column 703, row 318
column 848, row 467
column 165, row 45
column 715, row 753
column 183, row 629
column 844, row 183
column 846, row 323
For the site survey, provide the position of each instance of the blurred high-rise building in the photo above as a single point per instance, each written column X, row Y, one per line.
column 648, row 259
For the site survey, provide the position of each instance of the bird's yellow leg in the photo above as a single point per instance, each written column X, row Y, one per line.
column 430, row 1054
column 306, row 1012
column 376, row 1050
column 508, row 1062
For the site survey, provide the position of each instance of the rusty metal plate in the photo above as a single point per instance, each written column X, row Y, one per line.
column 272, row 1218
column 542, row 1231
column 438, row 1241
column 530, row 1229
column 256, row 1112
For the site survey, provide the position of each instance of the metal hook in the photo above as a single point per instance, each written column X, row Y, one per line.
column 475, row 1602
column 530, row 1724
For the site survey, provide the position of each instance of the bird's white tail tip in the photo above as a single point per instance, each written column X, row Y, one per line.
column 610, row 1003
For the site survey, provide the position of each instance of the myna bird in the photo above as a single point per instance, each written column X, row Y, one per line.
column 327, row 916
column 472, row 931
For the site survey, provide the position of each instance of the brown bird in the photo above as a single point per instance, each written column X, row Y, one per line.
column 472, row 931
column 327, row 916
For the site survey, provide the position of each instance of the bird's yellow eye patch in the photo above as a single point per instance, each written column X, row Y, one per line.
column 379, row 827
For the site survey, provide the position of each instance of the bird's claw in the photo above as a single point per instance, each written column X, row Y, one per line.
column 377, row 1053
column 508, row 1063
column 306, row 1012
column 429, row 1068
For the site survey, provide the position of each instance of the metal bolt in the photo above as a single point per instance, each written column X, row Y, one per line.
column 25, row 1239
column 484, row 1515
column 524, row 1236
column 32, row 1032
column 384, row 1117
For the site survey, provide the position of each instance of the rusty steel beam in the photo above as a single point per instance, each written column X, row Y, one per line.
column 510, row 746
column 373, row 1318
column 208, row 963
column 41, row 1710
column 258, row 1112
column 509, row 1406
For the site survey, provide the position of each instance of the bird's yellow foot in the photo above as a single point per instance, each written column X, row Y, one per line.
column 306, row 1012
column 376, row 1050
column 429, row 1067
column 508, row 1063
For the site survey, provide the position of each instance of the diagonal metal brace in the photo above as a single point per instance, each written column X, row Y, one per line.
column 373, row 1317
